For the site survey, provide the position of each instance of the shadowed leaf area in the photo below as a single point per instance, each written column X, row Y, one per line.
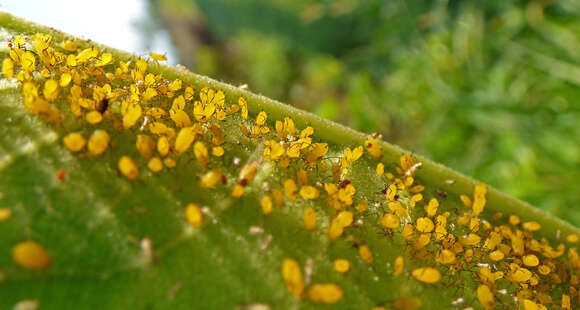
column 129, row 184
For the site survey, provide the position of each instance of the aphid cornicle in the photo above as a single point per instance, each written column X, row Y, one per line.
column 102, row 105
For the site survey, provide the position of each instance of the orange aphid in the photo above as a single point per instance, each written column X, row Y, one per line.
column 327, row 293
column 98, row 142
column 341, row 265
column 266, row 204
column 31, row 255
column 201, row 153
column 194, row 215
column 128, row 168
column 365, row 254
column 399, row 265
column 292, row 275
column 74, row 141
column 155, row 164
column 485, row 297
column 427, row 275
column 210, row 178
column 310, row 219
column 373, row 147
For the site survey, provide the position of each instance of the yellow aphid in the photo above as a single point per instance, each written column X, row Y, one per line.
column 531, row 226
column 184, row 139
column 74, row 141
column 244, row 107
column 210, row 178
column 406, row 162
column 155, row 164
column 519, row 274
column 327, row 293
column 380, row 169
column 28, row 61
column 128, row 168
column 69, row 46
column 514, row 220
column 365, row 254
column 149, row 94
column 193, row 215
column 344, row 218
column 470, row 239
column 98, row 142
column 529, row 305
column 180, row 118
column 169, row 162
column 335, row 230
column 341, row 265
column 278, row 197
column 292, row 275
column 105, row 59
column 210, row 100
column 485, row 297
column 8, row 68
column 427, row 275
column 309, row 192
column 50, row 90
column 390, row 220
column 373, row 147
column 466, row 201
column 399, row 265
column 408, row 231
column 238, row 191
column 479, row 199
column 158, row 57
column 572, row 238
column 163, row 146
column 201, row 153
column 432, row 207
column 425, row 225
column 248, row 173
column 261, row 118
column 5, row 214
column 188, row 93
column 446, row 257
column 145, row 145
column 217, row 151
column 531, row 260
column 133, row 114
column 496, row 255
column 566, row 305
column 31, row 255
column 310, row 219
column 65, row 79
column 266, row 204
column 391, row 192
column 94, row 117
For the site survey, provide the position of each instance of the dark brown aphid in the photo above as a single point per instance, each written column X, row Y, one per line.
column 224, row 179
column 344, row 183
column 102, row 105
column 441, row 193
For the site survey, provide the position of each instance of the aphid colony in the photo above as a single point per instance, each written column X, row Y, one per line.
column 170, row 119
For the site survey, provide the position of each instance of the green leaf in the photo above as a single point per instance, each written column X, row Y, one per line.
column 117, row 243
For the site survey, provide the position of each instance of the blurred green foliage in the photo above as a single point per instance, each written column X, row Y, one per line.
column 490, row 88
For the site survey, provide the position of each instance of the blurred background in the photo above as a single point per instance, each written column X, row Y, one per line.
column 489, row 88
